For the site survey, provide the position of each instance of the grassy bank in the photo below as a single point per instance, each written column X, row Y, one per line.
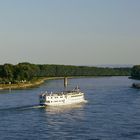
column 29, row 84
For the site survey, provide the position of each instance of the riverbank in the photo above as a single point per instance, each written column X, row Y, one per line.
column 37, row 82
column 30, row 84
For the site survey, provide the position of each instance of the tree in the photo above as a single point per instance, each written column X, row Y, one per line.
column 8, row 72
column 135, row 72
column 26, row 71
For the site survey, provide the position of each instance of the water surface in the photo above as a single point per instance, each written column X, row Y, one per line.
column 112, row 112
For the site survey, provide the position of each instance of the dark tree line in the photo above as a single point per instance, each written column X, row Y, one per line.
column 16, row 73
column 27, row 71
column 135, row 72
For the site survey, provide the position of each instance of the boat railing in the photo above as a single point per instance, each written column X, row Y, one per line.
column 75, row 90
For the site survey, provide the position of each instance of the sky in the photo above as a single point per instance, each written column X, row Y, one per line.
column 70, row 32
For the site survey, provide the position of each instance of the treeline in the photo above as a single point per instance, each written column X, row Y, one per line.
column 135, row 72
column 26, row 71
column 17, row 73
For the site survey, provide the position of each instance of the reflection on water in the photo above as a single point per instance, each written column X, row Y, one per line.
column 112, row 112
column 62, row 119
column 62, row 109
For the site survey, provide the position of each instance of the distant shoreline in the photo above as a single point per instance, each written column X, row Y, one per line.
column 36, row 83
column 29, row 84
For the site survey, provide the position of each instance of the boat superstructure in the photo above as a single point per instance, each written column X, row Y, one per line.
column 62, row 98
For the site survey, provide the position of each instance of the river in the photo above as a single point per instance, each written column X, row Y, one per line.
column 111, row 113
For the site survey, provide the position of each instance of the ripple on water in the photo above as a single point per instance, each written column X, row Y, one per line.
column 112, row 112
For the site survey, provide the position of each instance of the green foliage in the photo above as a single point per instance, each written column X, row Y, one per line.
column 63, row 70
column 18, row 73
column 135, row 72
column 7, row 73
column 27, row 71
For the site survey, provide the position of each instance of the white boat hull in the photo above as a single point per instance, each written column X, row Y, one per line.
column 66, row 102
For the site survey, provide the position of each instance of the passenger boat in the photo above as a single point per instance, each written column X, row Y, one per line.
column 62, row 98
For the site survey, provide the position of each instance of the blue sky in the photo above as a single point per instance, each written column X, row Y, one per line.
column 71, row 32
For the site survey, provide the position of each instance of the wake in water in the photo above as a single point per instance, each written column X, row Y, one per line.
column 64, row 108
column 53, row 108
column 20, row 108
